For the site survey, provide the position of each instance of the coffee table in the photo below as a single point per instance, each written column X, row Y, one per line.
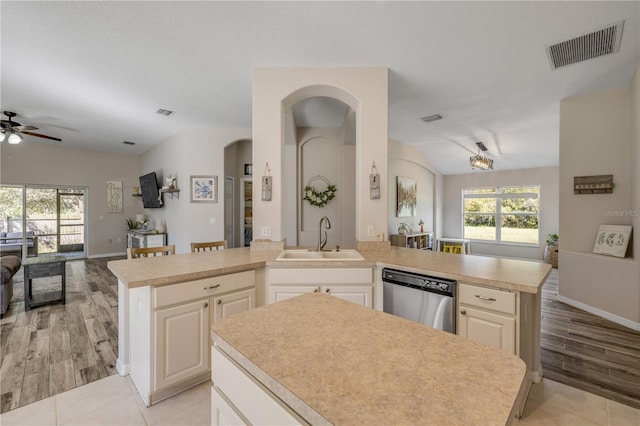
column 41, row 267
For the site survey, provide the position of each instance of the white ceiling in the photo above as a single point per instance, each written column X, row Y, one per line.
column 94, row 73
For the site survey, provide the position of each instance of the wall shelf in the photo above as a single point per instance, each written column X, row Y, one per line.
column 171, row 192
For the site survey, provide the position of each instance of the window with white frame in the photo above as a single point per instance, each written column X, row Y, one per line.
column 509, row 214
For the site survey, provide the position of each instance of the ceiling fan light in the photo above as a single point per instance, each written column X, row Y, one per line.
column 14, row 138
column 3, row 135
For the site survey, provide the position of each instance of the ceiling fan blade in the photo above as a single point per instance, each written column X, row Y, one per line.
column 38, row 135
column 22, row 128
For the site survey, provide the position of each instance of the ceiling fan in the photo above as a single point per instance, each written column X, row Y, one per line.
column 12, row 132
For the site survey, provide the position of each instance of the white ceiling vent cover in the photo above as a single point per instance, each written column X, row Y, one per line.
column 588, row 46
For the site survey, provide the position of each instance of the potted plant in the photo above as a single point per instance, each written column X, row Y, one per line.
column 551, row 250
column 132, row 224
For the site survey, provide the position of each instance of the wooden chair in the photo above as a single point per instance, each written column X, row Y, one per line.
column 208, row 246
column 133, row 253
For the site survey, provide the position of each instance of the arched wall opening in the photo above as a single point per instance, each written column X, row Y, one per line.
column 275, row 91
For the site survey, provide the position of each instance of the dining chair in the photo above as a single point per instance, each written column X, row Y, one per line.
column 133, row 253
column 208, row 246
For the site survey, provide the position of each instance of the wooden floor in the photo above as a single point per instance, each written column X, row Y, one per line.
column 53, row 349
column 588, row 352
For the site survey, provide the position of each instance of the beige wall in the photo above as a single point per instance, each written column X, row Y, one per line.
column 635, row 173
column 597, row 136
column 546, row 177
column 406, row 161
column 364, row 90
column 192, row 152
column 48, row 164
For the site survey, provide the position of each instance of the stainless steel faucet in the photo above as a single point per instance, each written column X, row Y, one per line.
column 321, row 242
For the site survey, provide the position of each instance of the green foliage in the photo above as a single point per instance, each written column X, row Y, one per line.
column 552, row 239
column 319, row 199
column 131, row 223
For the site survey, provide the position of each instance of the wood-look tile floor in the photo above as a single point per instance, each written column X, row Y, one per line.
column 54, row 348
column 588, row 352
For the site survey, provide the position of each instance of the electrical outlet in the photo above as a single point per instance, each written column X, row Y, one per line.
column 266, row 231
column 370, row 231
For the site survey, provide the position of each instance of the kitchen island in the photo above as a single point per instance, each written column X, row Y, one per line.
column 163, row 299
column 327, row 361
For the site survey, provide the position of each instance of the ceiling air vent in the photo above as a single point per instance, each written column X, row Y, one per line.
column 163, row 111
column 128, row 143
column 588, row 46
column 434, row 117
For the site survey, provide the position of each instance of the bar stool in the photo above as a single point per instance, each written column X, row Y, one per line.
column 448, row 248
column 457, row 249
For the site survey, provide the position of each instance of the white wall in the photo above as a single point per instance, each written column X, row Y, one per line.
column 364, row 90
column 191, row 152
column 405, row 160
column 597, row 137
column 546, row 177
column 48, row 164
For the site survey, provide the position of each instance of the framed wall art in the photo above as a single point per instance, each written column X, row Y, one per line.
column 612, row 240
column 114, row 196
column 406, row 196
column 204, row 189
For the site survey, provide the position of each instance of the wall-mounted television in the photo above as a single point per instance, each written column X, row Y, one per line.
column 150, row 192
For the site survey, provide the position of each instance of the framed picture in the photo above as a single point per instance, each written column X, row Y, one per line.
column 114, row 196
column 406, row 196
column 248, row 169
column 612, row 240
column 204, row 189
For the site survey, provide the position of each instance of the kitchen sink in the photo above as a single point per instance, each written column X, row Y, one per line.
column 313, row 255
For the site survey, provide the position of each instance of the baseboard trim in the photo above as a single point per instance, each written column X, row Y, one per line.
column 96, row 256
column 599, row 312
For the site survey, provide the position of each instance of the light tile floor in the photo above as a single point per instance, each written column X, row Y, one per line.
column 114, row 401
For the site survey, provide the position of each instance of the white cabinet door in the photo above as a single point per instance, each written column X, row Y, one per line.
column 489, row 328
column 233, row 303
column 359, row 294
column 182, row 343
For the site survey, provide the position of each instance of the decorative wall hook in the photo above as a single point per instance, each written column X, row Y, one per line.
column 374, row 183
column 267, row 183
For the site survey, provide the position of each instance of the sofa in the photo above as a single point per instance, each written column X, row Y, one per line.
column 9, row 266
column 11, row 243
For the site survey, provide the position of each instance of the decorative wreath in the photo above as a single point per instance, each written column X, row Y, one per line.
column 316, row 198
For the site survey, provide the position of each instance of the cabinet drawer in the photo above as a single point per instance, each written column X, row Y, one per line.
column 320, row 276
column 256, row 403
column 190, row 290
column 488, row 298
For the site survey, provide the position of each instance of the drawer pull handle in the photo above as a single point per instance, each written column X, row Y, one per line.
column 211, row 287
column 315, row 290
column 463, row 312
column 328, row 290
column 219, row 302
column 206, row 305
column 490, row 299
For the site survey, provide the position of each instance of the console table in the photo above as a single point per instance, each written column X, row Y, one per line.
column 41, row 267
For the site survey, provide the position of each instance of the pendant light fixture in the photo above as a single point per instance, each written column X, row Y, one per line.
column 480, row 160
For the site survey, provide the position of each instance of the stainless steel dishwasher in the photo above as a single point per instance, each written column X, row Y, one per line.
column 420, row 298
